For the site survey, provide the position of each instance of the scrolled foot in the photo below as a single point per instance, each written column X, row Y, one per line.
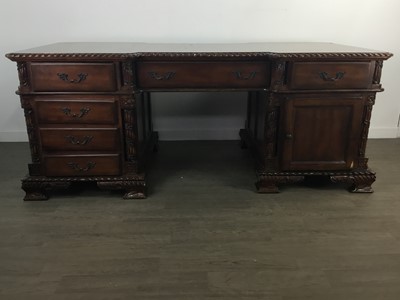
column 35, row 196
column 131, row 195
column 361, row 189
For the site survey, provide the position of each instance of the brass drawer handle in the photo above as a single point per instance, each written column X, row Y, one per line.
column 241, row 76
column 75, row 166
column 325, row 76
column 82, row 112
column 65, row 77
column 75, row 141
column 165, row 76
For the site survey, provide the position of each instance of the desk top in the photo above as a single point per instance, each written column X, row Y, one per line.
column 280, row 50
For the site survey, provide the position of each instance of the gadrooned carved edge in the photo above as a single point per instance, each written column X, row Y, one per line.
column 133, row 178
column 315, row 173
column 360, row 55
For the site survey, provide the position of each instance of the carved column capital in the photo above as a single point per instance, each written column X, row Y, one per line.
column 24, row 84
column 278, row 75
column 128, row 75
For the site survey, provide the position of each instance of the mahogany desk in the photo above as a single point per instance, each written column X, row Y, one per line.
column 88, row 111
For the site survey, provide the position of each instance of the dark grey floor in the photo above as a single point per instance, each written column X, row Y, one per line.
column 203, row 233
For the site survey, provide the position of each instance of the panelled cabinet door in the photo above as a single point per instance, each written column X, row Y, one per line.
column 321, row 132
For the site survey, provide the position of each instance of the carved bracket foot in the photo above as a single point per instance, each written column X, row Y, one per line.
column 133, row 189
column 268, row 183
column 36, row 188
column 359, row 182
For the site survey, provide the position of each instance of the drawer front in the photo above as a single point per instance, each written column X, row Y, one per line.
column 82, row 165
column 203, row 75
column 98, row 139
column 73, row 77
column 76, row 111
column 330, row 75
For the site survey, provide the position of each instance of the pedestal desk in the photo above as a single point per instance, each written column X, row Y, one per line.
column 88, row 112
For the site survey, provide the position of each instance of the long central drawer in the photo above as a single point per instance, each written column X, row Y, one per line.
column 202, row 75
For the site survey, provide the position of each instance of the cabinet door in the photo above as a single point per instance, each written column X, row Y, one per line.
column 321, row 132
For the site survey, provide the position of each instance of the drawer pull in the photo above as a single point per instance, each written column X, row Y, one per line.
column 64, row 77
column 166, row 76
column 82, row 112
column 325, row 76
column 75, row 166
column 241, row 76
column 74, row 141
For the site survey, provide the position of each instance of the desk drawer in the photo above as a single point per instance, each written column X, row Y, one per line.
column 73, row 77
column 82, row 165
column 330, row 75
column 76, row 111
column 95, row 139
column 203, row 74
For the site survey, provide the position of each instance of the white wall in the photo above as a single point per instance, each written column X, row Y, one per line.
column 364, row 23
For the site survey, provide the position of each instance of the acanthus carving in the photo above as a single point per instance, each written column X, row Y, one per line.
column 377, row 72
column 127, row 102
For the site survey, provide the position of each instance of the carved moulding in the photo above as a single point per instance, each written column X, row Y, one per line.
column 124, row 56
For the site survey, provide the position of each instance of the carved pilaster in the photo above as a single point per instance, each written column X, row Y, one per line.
column 278, row 75
column 377, row 72
column 23, row 77
column 362, row 161
column 31, row 128
column 130, row 127
column 271, row 129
